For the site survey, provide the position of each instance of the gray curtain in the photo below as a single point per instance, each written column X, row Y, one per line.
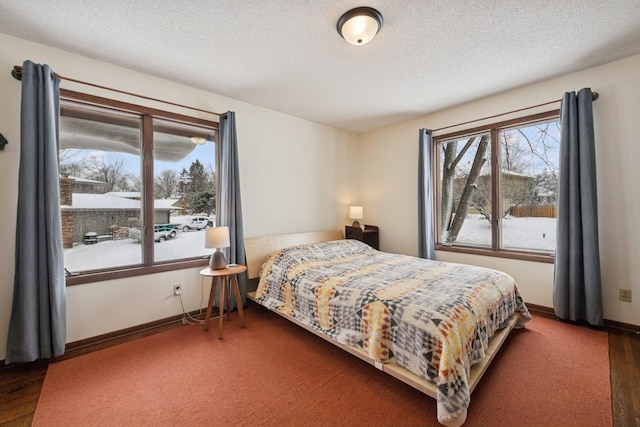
column 426, row 236
column 37, row 328
column 577, row 292
column 229, row 213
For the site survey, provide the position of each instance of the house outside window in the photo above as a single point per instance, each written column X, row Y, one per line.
column 497, row 188
column 137, row 188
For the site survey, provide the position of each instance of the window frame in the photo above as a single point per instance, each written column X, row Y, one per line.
column 147, row 114
column 493, row 129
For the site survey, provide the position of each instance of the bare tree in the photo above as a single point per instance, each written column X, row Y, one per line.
column 135, row 184
column 166, row 184
column 514, row 154
column 450, row 223
column 70, row 163
column 541, row 146
column 112, row 173
column 466, row 199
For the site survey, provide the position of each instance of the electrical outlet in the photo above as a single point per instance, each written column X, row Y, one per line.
column 625, row 295
column 177, row 290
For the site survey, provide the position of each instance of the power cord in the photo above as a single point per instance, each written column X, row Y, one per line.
column 187, row 319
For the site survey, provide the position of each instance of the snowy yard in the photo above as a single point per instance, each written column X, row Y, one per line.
column 517, row 233
column 120, row 252
column 524, row 233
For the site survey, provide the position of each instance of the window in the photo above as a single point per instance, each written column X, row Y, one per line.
column 497, row 188
column 137, row 188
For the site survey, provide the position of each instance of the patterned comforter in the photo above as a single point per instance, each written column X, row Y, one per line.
column 432, row 318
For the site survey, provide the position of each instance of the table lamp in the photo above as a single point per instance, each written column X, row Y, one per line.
column 356, row 213
column 217, row 237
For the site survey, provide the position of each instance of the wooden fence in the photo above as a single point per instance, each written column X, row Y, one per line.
column 546, row 211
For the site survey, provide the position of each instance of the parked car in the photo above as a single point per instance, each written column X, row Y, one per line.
column 161, row 232
column 194, row 223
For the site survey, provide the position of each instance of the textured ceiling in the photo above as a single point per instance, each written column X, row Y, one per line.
column 287, row 56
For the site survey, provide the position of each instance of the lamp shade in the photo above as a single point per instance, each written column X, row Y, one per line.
column 217, row 237
column 356, row 212
column 358, row 26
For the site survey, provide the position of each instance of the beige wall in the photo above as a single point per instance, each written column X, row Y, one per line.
column 388, row 186
column 294, row 177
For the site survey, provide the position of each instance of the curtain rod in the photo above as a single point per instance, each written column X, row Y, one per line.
column 594, row 96
column 17, row 74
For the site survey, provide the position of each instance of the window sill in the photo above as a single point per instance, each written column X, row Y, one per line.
column 102, row 275
column 523, row 256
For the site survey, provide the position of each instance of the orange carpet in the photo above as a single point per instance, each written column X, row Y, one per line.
column 274, row 373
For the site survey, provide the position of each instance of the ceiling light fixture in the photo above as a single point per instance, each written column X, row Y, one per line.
column 358, row 26
column 198, row 140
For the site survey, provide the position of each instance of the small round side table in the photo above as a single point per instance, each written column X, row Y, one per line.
column 222, row 276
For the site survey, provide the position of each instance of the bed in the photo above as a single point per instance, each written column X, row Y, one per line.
column 434, row 325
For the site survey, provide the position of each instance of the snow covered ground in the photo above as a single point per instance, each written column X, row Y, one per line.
column 522, row 233
column 517, row 233
column 112, row 253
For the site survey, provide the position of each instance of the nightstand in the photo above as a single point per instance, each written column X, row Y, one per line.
column 370, row 235
column 227, row 277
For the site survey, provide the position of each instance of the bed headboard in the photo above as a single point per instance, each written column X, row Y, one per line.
column 258, row 248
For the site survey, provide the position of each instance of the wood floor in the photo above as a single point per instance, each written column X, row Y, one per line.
column 20, row 385
column 624, row 356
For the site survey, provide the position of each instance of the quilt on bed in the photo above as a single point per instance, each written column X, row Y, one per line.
column 432, row 318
